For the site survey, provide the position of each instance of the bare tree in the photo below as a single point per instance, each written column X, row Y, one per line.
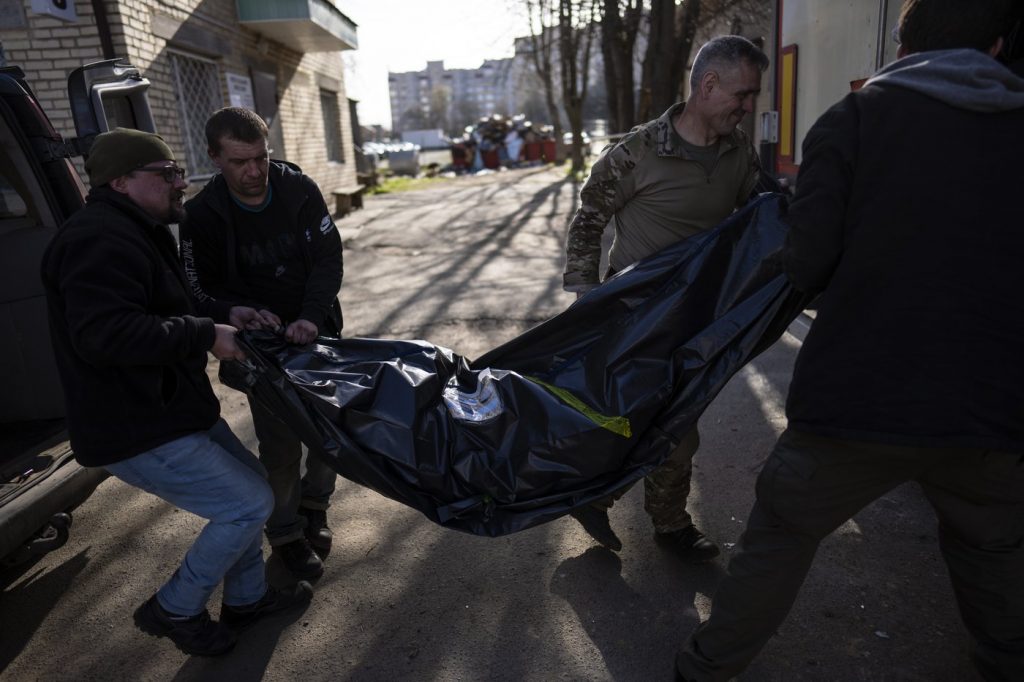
column 620, row 24
column 439, row 107
column 669, row 43
column 671, row 28
column 576, row 28
column 412, row 118
column 543, row 18
column 465, row 112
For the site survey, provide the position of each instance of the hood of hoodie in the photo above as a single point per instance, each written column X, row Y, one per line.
column 965, row 79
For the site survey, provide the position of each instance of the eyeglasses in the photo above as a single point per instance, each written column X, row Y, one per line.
column 895, row 34
column 168, row 173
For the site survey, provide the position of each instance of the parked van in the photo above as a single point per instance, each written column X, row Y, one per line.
column 40, row 482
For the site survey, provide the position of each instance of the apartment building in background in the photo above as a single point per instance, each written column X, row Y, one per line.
column 437, row 97
column 450, row 99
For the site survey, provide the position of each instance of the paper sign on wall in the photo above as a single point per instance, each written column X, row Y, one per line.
column 240, row 91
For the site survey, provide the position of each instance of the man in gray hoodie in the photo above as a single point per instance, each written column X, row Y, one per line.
column 907, row 221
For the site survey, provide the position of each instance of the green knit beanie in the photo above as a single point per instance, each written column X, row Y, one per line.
column 121, row 151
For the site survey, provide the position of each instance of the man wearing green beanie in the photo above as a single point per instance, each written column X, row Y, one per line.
column 131, row 348
column 122, row 151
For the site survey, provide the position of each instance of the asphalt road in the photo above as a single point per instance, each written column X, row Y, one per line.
column 468, row 264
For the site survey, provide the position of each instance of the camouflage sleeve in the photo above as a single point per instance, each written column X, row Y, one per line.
column 752, row 176
column 610, row 185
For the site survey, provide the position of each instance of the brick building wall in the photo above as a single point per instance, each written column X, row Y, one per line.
column 172, row 43
column 48, row 49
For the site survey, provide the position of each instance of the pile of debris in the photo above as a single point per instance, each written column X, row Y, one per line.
column 498, row 142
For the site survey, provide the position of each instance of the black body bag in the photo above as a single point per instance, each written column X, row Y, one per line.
column 572, row 410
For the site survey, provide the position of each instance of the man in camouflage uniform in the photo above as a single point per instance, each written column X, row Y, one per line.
column 668, row 180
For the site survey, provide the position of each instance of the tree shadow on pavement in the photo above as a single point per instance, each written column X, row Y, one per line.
column 250, row 658
column 429, row 603
column 492, row 243
column 42, row 589
column 635, row 633
column 876, row 604
column 557, row 223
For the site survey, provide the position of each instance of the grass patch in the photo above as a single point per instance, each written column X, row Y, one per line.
column 403, row 183
column 580, row 176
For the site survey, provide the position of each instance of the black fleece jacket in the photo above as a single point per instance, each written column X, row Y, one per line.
column 209, row 247
column 130, row 348
column 907, row 216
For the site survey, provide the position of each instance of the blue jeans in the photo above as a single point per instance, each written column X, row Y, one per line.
column 281, row 454
column 212, row 475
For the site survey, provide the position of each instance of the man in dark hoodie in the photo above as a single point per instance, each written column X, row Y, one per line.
column 131, row 351
column 912, row 369
column 259, row 234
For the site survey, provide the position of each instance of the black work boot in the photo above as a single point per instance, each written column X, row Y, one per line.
column 300, row 559
column 595, row 522
column 317, row 532
column 689, row 544
column 274, row 600
column 195, row 635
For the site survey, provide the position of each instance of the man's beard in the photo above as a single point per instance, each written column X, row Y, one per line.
column 175, row 211
column 175, row 214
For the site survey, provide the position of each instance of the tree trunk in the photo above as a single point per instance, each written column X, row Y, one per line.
column 619, row 27
column 624, row 66
column 611, row 28
column 575, row 36
column 661, row 72
column 543, row 18
column 688, row 19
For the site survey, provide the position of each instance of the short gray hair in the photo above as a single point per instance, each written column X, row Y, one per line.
column 725, row 51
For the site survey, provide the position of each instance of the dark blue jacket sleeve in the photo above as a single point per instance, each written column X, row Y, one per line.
column 326, row 267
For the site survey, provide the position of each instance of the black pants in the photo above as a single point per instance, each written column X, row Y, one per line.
column 811, row 485
column 281, row 453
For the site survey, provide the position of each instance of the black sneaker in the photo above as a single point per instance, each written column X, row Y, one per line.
column 317, row 532
column 194, row 635
column 300, row 559
column 690, row 544
column 595, row 522
column 274, row 600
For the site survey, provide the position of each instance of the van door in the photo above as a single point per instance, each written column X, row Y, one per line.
column 106, row 95
column 39, row 189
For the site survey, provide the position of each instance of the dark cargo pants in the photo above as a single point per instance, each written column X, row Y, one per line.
column 281, row 455
column 811, row 485
column 666, row 488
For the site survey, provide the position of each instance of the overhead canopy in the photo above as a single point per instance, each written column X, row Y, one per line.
column 304, row 25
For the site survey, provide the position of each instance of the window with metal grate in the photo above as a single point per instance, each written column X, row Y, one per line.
column 197, row 86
